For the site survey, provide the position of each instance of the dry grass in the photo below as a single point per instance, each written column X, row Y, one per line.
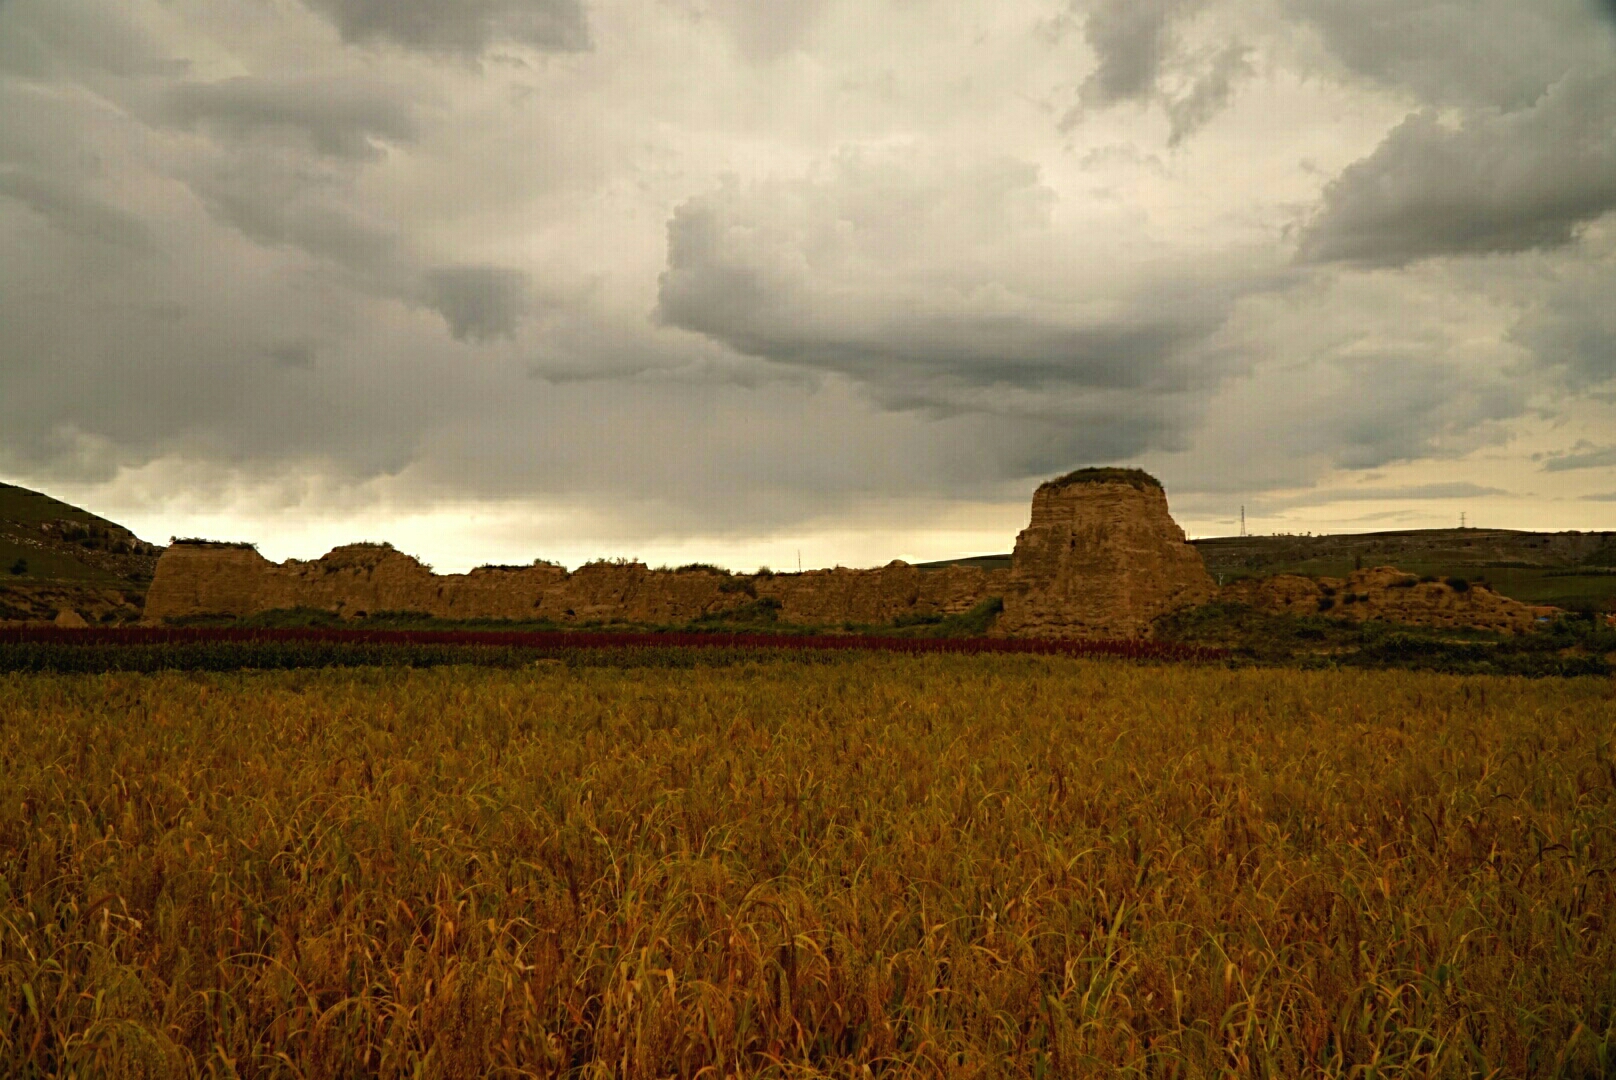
column 910, row 866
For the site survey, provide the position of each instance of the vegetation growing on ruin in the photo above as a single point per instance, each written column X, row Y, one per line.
column 1136, row 478
column 202, row 541
column 915, row 866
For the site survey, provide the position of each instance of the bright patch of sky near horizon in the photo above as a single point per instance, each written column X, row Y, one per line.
column 704, row 280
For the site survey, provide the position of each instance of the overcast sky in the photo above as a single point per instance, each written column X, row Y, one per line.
column 733, row 279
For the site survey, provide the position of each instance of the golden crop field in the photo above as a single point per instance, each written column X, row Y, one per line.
column 876, row 865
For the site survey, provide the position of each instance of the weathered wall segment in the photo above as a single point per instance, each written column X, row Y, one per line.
column 207, row 579
column 1101, row 558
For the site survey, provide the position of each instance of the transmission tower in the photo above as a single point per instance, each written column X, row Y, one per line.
column 1242, row 521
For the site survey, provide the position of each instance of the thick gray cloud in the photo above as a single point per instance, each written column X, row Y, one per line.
column 1139, row 57
column 1497, row 53
column 737, row 268
column 287, row 169
column 479, row 303
column 1573, row 331
column 1496, row 182
column 279, row 202
column 1584, row 456
column 1209, row 95
column 733, row 293
column 914, row 282
column 339, row 118
column 76, row 212
column 1405, row 408
column 1131, row 39
column 461, row 26
column 46, row 38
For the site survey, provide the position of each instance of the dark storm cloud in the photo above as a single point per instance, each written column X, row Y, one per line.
column 285, row 168
column 1573, row 332
column 467, row 27
column 293, row 354
column 1500, row 53
column 334, row 117
column 479, row 303
column 1130, row 39
column 1136, row 48
column 901, row 354
column 1583, row 458
column 1209, row 95
column 43, row 38
column 276, row 202
column 1496, row 182
column 1399, row 408
column 1385, row 433
column 327, row 222
column 76, row 212
column 925, row 286
column 910, row 344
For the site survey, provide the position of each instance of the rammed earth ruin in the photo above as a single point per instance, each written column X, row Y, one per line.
column 1101, row 558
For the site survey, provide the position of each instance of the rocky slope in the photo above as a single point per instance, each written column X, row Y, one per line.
column 54, row 556
column 1386, row 594
column 1101, row 558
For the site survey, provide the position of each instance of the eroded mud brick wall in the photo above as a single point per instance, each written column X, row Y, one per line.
column 1101, row 557
column 212, row 579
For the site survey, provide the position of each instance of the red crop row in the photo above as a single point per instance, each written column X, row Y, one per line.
column 553, row 639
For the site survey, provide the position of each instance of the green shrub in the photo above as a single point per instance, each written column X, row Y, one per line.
column 1137, row 478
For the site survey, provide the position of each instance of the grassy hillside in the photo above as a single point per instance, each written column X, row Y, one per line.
column 54, row 555
column 1574, row 570
column 46, row 541
column 1569, row 569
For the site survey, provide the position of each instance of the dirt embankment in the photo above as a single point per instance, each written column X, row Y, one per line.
column 208, row 579
column 1390, row 595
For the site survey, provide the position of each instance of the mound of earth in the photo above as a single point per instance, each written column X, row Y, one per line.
column 1387, row 594
column 1101, row 558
